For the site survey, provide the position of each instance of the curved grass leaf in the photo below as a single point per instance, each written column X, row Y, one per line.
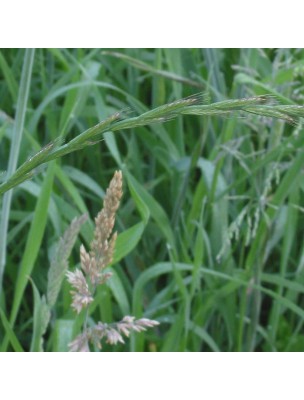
column 10, row 333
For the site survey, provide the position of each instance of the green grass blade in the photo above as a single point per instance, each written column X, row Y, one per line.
column 63, row 334
column 148, row 68
column 12, row 85
column 155, row 209
column 33, row 242
column 70, row 188
column 148, row 275
column 244, row 78
column 14, row 151
column 127, row 241
column 119, row 293
column 204, row 335
column 10, row 333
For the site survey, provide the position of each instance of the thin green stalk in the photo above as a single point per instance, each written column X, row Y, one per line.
column 146, row 67
column 289, row 182
column 14, row 151
column 289, row 237
column 33, row 243
column 183, row 190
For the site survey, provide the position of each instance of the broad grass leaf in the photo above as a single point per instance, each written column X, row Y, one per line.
column 156, row 211
column 127, row 241
column 119, row 293
column 63, row 334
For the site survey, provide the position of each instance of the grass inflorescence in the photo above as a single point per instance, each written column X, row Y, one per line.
column 116, row 122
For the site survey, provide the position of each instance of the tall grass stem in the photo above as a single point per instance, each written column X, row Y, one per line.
column 14, row 151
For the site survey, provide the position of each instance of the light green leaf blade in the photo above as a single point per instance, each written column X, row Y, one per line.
column 63, row 334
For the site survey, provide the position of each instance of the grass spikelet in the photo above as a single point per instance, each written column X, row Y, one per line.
column 102, row 246
column 59, row 263
column 273, row 112
column 104, row 222
column 242, row 103
column 232, row 232
column 112, row 333
column 81, row 294
column 92, row 134
column 292, row 110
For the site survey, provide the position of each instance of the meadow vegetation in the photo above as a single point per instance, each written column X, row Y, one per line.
column 210, row 226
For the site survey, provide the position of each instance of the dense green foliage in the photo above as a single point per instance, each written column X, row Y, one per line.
column 211, row 223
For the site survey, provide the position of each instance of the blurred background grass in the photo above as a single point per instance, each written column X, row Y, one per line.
column 211, row 223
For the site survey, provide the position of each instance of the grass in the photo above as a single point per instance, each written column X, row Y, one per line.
column 14, row 150
column 211, row 225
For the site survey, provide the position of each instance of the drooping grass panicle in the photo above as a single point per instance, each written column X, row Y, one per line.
column 93, row 133
column 195, row 105
column 112, row 333
column 165, row 112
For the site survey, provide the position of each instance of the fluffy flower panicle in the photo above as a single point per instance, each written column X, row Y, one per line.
column 113, row 332
column 129, row 323
column 102, row 246
column 81, row 343
column 102, row 249
column 92, row 269
column 81, row 295
column 92, row 273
